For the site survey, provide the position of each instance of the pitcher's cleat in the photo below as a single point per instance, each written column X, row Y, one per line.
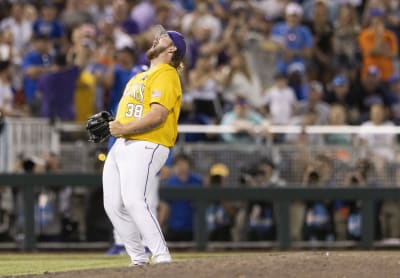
column 116, row 250
column 135, row 264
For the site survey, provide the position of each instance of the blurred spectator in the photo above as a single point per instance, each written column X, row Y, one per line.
column 85, row 90
column 379, row 144
column 296, row 39
column 280, row 101
column 56, row 90
column 48, row 25
column 163, row 14
column 189, row 115
column 20, row 28
column 144, row 14
column 261, row 215
column 7, row 212
column 378, row 45
column 308, row 118
column 244, row 119
column 35, row 63
column 320, row 172
column 346, row 30
column 201, row 16
column 309, row 7
column 348, row 213
column 109, row 31
column 321, row 67
column 238, row 81
column 121, row 15
column 369, row 91
column 103, row 58
column 6, row 94
column 297, row 80
column 341, row 93
column 337, row 117
column 76, row 13
column 273, row 9
column 260, row 49
column 221, row 215
column 103, row 8
column 176, row 217
column 315, row 102
column 394, row 99
column 204, row 87
column 118, row 75
column 318, row 218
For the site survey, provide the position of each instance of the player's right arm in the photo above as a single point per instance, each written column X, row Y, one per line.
column 154, row 118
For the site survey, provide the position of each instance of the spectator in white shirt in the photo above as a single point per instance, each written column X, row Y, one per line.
column 6, row 95
column 20, row 27
column 280, row 101
column 380, row 144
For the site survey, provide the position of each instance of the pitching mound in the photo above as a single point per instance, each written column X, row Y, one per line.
column 274, row 264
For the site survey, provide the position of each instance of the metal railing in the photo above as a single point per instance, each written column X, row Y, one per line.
column 280, row 197
column 29, row 136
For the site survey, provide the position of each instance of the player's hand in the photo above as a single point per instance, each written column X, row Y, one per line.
column 116, row 128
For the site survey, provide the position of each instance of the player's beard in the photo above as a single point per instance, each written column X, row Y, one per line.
column 155, row 51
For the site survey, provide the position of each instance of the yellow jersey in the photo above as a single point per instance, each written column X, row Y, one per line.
column 160, row 85
column 85, row 95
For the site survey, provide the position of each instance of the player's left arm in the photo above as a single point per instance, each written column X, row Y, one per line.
column 154, row 118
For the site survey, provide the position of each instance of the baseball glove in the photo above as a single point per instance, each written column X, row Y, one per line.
column 97, row 126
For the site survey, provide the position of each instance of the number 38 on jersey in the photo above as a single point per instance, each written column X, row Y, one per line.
column 134, row 110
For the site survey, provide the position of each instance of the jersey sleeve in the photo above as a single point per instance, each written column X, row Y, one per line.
column 165, row 89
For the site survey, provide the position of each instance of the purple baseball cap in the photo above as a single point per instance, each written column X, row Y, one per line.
column 179, row 42
column 177, row 38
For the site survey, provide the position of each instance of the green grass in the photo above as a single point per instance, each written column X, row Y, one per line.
column 39, row 263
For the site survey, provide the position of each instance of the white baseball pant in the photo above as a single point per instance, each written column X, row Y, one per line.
column 129, row 173
column 152, row 200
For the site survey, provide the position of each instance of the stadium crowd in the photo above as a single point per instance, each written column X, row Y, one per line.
column 250, row 63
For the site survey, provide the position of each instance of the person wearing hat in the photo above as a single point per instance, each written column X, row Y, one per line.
column 47, row 24
column 35, row 63
column 378, row 45
column 339, row 93
column 295, row 39
column 221, row 215
column 146, row 127
column 315, row 102
column 370, row 90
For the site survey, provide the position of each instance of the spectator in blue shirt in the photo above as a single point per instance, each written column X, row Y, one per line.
column 118, row 75
column 296, row 39
column 177, row 216
column 35, row 63
column 48, row 25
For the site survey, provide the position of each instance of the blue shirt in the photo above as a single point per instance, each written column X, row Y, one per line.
column 297, row 38
column 33, row 58
column 181, row 212
column 121, row 77
column 52, row 29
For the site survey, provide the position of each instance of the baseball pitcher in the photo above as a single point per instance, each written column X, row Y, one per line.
column 146, row 129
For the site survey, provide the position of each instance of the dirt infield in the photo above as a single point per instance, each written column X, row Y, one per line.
column 346, row 264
